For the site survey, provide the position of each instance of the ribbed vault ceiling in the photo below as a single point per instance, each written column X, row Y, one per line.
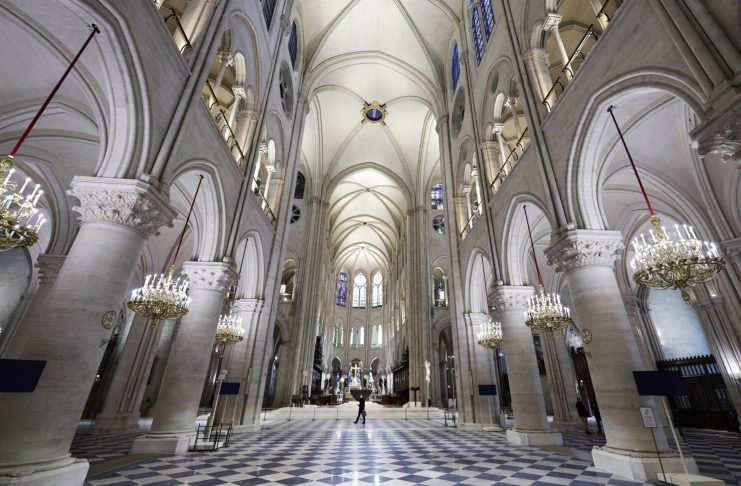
column 393, row 52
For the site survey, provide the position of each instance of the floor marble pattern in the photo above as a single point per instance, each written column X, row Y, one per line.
column 395, row 452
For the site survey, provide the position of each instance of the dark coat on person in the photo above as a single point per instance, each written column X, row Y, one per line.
column 582, row 409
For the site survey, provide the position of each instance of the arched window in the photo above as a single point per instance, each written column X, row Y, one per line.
column 377, row 290
column 478, row 41
column 339, row 335
column 360, row 291
column 455, row 67
column 298, row 192
column 488, row 11
column 341, row 298
column 436, row 196
column 293, row 45
column 438, row 224
column 268, row 8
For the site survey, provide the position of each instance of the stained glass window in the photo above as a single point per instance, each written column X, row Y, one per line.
column 293, row 45
column 360, row 291
column 298, row 192
column 478, row 41
column 341, row 298
column 436, row 196
column 456, row 66
column 377, row 290
column 488, row 11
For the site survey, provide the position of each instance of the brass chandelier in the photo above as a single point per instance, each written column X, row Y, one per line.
column 666, row 259
column 20, row 219
column 491, row 335
column 229, row 330
column 163, row 297
column 544, row 312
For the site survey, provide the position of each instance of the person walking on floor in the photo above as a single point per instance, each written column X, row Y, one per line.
column 597, row 416
column 583, row 414
column 361, row 409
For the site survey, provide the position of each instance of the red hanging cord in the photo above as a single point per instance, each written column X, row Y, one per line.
column 187, row 220
column 18, row 144
column 532, row 246
column 632, row 164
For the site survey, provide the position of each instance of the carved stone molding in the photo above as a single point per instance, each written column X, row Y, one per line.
column 511, row 298
column 248, row 305
column 537, row 55
column 724, row 141
column 131, row 203
column 581, row 248
column 214, row 276
column 442, row 120
column 49, row 266
column 475, row 319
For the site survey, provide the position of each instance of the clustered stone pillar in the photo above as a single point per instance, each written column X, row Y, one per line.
column 483, row 371
column 173, row 427
column 560, row 372
column 65, row 330
column 238, row 366
column 120, row 413
column 586, row 258
column 531, row 421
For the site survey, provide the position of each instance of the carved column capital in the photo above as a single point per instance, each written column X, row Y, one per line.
column 248, row 305
column 552, row 21
column 510, row 298
column 215, row 276
column 48, row 267
column 475, row 319
column 722, row 138
column 536, row 55
column 489, row 147
column 131, row 203
column 580, row 248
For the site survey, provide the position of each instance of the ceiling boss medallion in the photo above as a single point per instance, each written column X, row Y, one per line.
column 374, row 112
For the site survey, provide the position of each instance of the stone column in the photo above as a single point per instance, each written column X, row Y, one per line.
column 194, row 19
column 560, row 371
column 503, row 148
column 177, row 405
column 48, row 268
column 226, row 60
column 511, row 103
column 552, row 22
column 490, row 154
column 120, row 413
column 531, row 422
column 246, row 123
column 459, row 202
column 537, row 63
column 238, row 366
column 483, row 372
column 65, row 330
column 586, row 257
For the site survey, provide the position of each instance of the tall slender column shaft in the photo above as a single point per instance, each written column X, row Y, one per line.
column 180, row 393
column 65, row 331
column 586, row 257
column 528, row 404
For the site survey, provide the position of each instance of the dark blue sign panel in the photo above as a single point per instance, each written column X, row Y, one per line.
column 487, row 390
column 20, row 375
column 660, row 383
column 229, row 388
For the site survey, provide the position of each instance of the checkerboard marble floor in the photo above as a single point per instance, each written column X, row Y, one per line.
column 385, row 452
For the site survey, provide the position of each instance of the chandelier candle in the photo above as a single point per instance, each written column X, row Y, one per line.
column 544, row 311
column 163, row 297
column 491, row 335
column 18, row 228
column 229, row 330
column 670, row 260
